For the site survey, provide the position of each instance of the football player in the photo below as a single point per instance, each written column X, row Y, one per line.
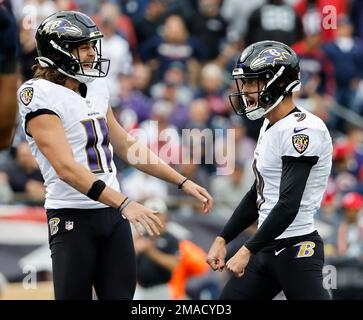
column 72, row 133
column 292, row 161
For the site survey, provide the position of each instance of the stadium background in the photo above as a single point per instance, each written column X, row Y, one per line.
column 171, row 62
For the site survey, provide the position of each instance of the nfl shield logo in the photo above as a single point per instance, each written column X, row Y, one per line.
column 69, row 225
column 300, row 142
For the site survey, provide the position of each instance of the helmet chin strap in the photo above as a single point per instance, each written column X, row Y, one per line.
column 290, row 88
column 78, row 77
column 259, row 111
column 256, row 114
column 46, row 63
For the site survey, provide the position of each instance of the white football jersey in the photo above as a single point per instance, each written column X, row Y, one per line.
column 298, row 134
column 85, row 126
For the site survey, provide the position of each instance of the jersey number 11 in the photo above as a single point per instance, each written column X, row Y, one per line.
column 92, row 148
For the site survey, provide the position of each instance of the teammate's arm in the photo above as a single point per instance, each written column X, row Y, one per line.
column 123, row 142
column 295, row 173
column 48, row 133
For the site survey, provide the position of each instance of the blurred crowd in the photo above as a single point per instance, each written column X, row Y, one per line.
column 170, row 70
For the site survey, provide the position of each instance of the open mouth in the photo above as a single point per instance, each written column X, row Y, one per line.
column 87, row 65
column 250, row 102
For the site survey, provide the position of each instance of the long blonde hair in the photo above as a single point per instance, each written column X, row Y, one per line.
column 50, row 74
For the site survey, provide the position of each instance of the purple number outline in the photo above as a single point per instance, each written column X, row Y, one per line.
column 93, row 154
column 260, row 184
column 106, row 141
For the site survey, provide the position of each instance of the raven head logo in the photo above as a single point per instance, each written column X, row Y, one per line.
column 269, row 57
column 61, row 27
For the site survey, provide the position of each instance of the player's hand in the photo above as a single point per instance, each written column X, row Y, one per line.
column 143, row 219
column 238, row 263
column 217, row 254
column 200, row 193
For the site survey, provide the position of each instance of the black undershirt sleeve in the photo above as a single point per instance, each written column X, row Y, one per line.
column 243, row 216
column 34, row 114
column 295, row 173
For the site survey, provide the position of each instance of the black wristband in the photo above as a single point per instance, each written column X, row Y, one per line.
column 96, row 190
column 180, row 185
